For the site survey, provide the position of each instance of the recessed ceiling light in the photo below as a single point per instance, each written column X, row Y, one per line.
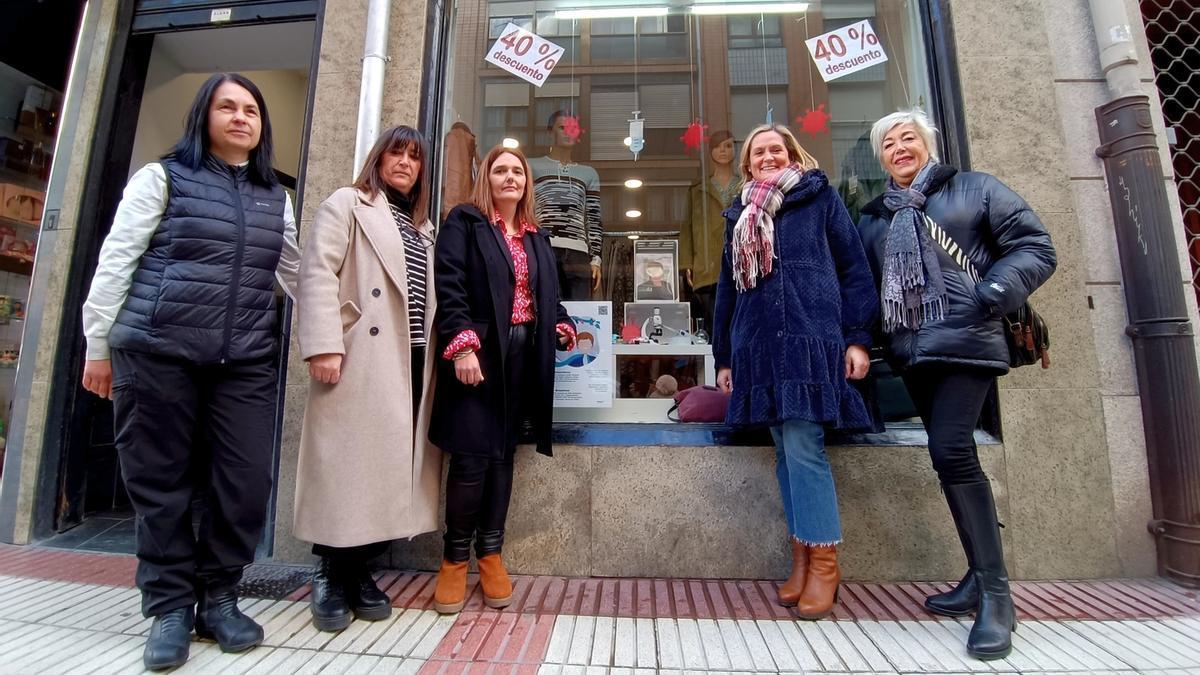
column 511, row 143
column 633, row 236
column 633, row 183
column 633, row 213
column 628, row 141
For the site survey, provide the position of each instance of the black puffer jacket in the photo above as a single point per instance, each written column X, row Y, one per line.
column 1005, row 240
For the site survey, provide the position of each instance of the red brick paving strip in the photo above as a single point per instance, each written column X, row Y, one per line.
column 673, row 598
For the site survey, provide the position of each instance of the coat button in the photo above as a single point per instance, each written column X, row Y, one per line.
column 375, row 292
column 374, row 330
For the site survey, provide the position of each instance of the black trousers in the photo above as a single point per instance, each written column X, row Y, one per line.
column 159, row 404
column 479, row 488
column 574, row 274
column 347, row 556
column 949, row 400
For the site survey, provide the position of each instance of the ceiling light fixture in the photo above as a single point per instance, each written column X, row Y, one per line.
column 633, row 183
column 511, row 143
column 750, row 8
column 610, row 13
column 633, row 213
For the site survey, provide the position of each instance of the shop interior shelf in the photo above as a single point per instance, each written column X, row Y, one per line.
column 8, row 175
column 11, row 222
column 15, row 265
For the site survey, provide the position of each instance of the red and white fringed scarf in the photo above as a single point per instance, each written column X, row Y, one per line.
column 753, row 245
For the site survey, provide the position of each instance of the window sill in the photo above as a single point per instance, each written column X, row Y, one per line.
column 699, row 435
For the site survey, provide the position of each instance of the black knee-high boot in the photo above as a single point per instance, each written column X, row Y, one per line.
column 995, row 618
column 963, row 598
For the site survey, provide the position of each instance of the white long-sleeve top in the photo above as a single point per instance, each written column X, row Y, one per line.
column 141, row 209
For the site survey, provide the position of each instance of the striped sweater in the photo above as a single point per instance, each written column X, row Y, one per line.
column 567, row 203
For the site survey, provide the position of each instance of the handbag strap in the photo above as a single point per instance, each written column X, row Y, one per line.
column 952, row 249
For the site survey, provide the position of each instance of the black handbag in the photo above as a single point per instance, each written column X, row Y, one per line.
column 1026, row 331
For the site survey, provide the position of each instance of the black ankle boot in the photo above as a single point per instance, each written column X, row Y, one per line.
column 330, row 611
column 963, row 598
column 170, row 639
column 364, row 597
column 995, row 617
column 218, row 618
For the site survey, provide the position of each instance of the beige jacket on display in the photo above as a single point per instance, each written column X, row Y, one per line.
column 366, row 470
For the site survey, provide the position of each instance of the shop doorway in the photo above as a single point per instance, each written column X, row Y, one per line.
column 163, row 68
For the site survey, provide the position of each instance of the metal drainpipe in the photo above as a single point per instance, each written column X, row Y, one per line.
column 370, row 93
column 1159, row 324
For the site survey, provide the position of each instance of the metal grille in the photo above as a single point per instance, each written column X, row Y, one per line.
column 1173, row 31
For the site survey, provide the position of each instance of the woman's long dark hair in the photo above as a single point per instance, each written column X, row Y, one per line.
column 193, row 146
column 398, row 139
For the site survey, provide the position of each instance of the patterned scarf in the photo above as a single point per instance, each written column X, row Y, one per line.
column 753, row 245
column 913, row 290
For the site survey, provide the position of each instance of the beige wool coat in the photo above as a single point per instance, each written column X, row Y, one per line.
column 367, row 471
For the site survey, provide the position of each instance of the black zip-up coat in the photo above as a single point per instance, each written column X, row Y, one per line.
column 474, row 277
column 1009, row 247
column 204, row 290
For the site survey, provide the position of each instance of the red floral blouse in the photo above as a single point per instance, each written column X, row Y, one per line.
column 522, row 311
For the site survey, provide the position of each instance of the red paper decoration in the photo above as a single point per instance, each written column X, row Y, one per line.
column 815, row 122
column 694, row 137
column 571, row 127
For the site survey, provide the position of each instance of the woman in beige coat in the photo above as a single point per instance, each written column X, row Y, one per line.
column 367, row 473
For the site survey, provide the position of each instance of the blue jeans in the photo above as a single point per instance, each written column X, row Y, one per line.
column 806, row 483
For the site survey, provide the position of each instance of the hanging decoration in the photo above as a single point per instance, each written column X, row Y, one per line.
column 572, row 128
column 814, row 122
column 695, row 136
column 636, row 128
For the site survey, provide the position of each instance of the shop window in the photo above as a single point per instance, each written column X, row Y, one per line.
column 692, row 75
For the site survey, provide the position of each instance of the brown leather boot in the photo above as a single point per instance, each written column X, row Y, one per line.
column 820, row 590
column 450, row 594
column 789, row 592
column 497, row 589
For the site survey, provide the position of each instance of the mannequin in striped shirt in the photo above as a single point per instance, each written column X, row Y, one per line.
column 567, row 203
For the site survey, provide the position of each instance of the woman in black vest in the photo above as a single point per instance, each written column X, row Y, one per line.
column 181, row 331
column 497, row 322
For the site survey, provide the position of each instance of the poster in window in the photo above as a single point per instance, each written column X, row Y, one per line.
column 654, row 266
column 661, row 322
column 583, row 376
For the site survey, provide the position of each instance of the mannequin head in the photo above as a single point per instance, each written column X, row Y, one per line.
column 720, row 148
column 560, row 135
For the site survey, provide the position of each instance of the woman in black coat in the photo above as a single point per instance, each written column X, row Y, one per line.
column 946, row 332
column 497, row 323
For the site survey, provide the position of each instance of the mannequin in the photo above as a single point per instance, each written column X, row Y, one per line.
column 567, row 203
column 702, row 236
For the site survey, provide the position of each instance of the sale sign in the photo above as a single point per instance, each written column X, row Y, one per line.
column 524, row 54
column 846, row 50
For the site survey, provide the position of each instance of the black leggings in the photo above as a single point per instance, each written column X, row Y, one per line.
column 949, row 400
column 478, row 487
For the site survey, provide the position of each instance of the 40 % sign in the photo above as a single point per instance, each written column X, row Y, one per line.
column 846, row 50
column 526, row 55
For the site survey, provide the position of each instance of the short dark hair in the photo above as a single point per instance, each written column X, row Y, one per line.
column 554, row 118
column 397, row 139
column 192, row 147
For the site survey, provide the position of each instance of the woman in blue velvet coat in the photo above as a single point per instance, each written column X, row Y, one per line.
column 795, row 305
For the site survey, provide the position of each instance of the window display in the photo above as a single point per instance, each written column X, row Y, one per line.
column 633, row 130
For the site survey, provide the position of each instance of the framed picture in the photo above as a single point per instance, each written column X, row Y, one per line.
column 655, row 267
column 661, row 322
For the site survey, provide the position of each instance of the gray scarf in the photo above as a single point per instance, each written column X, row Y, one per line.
column 913, row 290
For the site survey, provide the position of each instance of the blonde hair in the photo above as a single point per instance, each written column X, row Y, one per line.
column 915, row 117
column 796, row 152
column 481, row 196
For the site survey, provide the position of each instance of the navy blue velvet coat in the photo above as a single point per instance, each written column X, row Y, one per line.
column 786, row 338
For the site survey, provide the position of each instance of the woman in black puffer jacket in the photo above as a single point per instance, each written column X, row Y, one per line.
column 946, row 332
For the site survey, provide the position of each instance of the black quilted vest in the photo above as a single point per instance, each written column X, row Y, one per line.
column 204, row 290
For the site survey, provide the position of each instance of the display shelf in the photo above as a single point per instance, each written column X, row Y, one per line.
column 654, row 349
column 25, row 180
column 12, row 222
column 16, row 265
